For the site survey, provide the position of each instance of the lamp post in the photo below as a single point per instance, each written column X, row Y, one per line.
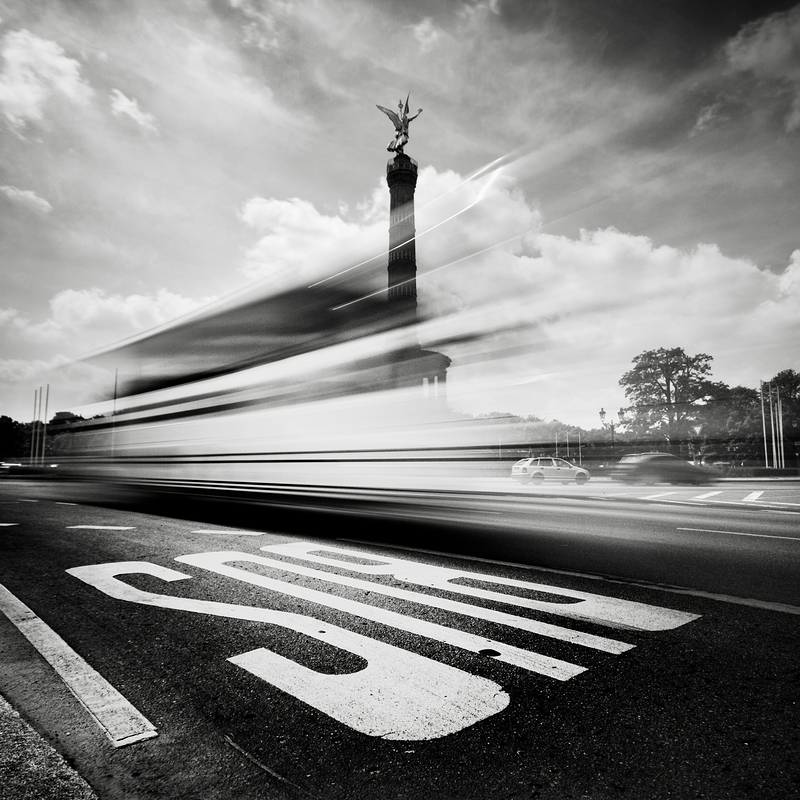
column 696, row 429
column 612, row 426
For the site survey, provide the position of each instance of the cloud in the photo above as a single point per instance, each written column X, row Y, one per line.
column 575, row 310
column 34, row 69
column 708, row 118
column 27, row 198
column 124, row 106
column 214, row 73
column 591, row 304
column 261, row 30
column 470, row 232
column 769, row 48
column 456, row 219
column 69, row 384
column 87, row 319
column 17, row 370
column 298, row 243
column 426, row 34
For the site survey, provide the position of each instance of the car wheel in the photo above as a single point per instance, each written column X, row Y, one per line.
column 538, row 479
column 581, row 479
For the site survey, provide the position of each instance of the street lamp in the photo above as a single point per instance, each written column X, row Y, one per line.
column 612, row 426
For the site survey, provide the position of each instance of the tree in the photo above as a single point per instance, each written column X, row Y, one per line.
column 786, row 385
column 14, row 438
column 732, row 426
column 60, row 433
column 668, row 391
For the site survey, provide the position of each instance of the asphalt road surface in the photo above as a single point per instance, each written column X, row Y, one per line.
column 585, row 642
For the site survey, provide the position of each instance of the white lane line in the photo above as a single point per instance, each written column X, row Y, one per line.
column 753, row 496
column 63, row 503
column 27, row 501
column 234, row 533
column 122, row 723
column 704, row 496
column 739, row 533
column 655, row 496
column 8, row 524
column 102, row 527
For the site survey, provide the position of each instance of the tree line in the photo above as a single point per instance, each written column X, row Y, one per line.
column 675, row 406
column 674, row 400
column 24, row 441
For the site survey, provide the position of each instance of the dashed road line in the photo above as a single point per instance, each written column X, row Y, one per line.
column 122, row 723
column 706, row 495
column 656, row 496
column 233, row 533
column 102, row 527
column 740, row 533
column 8, row 524
column 752, row 496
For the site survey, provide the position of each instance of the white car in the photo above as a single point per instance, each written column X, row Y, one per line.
column 539, row 470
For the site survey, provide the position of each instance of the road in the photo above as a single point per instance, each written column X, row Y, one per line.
column 564, row 643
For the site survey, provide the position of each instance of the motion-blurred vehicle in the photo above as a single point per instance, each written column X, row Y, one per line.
column 651, row 468
column 539, row 470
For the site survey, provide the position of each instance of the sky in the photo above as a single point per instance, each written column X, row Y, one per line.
column 595, row 179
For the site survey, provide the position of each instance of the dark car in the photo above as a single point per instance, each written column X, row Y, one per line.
column 660, row 468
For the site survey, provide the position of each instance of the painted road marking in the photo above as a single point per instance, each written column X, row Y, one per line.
column 533, row 662
column 234, row 533
column 723, row 598
column 704, row 496
column 656, row 496
column 739, row 533
column 8, row 524
column 102, row 527
column 122, row 723
column 439, row 603
column 753, row 496
column 584, row 606
column 398, row 695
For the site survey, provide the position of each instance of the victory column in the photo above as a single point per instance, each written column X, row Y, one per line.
column 415, row 365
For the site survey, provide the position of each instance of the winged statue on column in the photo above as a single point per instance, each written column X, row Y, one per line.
column 400, row 121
